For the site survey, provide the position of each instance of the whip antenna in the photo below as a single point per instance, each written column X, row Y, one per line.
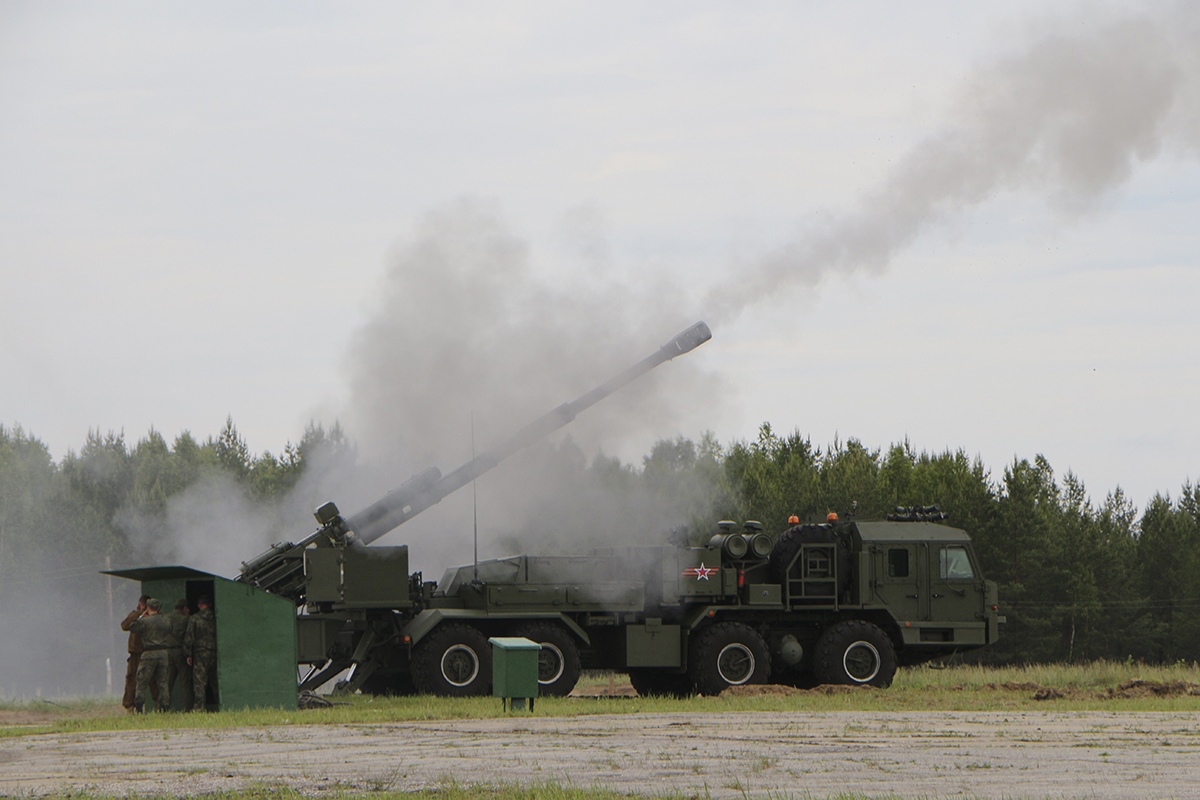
column 475, row 501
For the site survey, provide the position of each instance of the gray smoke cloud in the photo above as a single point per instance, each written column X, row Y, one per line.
column 467, row 328
column 1070, row 116
column 471, row 340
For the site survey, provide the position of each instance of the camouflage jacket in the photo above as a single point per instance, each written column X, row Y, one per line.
column 179, row 623
column 155, row 630
column 201, row 634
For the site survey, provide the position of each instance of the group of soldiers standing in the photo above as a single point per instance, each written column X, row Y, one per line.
column 163, row 647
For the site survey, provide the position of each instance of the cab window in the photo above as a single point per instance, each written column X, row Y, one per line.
column 898, row 562
column 955, row 564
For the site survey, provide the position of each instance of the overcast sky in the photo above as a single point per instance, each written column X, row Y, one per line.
column 968, row 225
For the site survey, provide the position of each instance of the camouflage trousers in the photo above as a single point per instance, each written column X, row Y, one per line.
column 131, row 665
column 154, row 671
column 204, row 674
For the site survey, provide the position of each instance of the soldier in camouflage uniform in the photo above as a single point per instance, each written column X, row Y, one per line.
column 200, row 647
column 180, row 676
column 154, row 667
column 135, row 653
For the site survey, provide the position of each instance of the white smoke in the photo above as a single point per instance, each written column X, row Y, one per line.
column 1070, row 116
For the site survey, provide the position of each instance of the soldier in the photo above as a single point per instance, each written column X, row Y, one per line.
column 135, row 653
column 176, row 656
column 200, row 647
column 154, row 665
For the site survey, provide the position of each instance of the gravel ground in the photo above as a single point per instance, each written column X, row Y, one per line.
column 719, row 755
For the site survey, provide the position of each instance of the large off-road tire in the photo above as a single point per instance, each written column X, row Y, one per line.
column 727, row 654
column 789, row 544
column 653, row 682
column 855, row 652
column 558, row 661
column 453, row 661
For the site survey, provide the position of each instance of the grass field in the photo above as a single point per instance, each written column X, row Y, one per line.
column 1096, row 686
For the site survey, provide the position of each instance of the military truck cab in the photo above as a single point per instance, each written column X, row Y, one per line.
column 927, row 577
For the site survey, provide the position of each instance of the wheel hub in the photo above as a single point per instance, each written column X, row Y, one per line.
column 460, row 665
column 735, row 664
column 862, row 662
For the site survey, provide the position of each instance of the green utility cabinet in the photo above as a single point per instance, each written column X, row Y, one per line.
column 256, row 634
column 514, row 670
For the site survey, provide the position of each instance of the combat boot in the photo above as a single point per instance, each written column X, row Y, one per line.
column 139, row 708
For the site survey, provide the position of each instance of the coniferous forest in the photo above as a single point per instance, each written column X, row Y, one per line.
column 1080, row 578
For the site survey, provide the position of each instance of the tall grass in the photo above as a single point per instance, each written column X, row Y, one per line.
column 1082, row 687
column 1090, row 675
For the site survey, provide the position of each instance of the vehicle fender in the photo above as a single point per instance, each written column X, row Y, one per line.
column 423, row 623
column 693, row 618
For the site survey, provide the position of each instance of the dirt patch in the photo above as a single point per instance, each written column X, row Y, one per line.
column 1015, row 686
column 1139, row 688
column 1128, row 690
column 761, row 690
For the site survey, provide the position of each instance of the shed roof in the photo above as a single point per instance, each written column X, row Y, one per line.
column 161, row 573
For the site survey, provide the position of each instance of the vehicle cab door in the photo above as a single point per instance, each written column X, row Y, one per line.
column 901, row 579
column 955, row 588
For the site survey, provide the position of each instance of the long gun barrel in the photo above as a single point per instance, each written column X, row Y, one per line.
column 279, row 569
column 398, row 507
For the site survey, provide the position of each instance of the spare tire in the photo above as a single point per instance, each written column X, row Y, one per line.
column 789, row 545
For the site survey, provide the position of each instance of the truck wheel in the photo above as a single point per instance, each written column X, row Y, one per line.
column 727, row 654
column 651, row 682
column 855, row 652
column 558, row 661
column 452, row 661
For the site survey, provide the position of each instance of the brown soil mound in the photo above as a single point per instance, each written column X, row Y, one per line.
column 759, row 690
column 1016, row 686
column 1140, row 688
column 776, row 690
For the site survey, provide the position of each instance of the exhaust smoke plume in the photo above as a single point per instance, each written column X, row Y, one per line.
column 1071, row 116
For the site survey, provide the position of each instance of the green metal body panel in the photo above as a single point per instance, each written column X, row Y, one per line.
column 768, row 595
column 653, row 644
column 358, row 577
column 419, row 626
column 256, row 647
column 315, row 637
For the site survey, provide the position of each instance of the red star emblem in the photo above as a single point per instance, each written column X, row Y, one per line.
column 701, row 572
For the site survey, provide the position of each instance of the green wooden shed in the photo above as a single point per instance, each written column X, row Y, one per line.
column 256, row 634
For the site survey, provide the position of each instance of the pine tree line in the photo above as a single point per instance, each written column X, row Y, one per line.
column 1078, row 581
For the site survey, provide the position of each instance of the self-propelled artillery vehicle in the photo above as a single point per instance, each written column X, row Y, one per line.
column 837, row 602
